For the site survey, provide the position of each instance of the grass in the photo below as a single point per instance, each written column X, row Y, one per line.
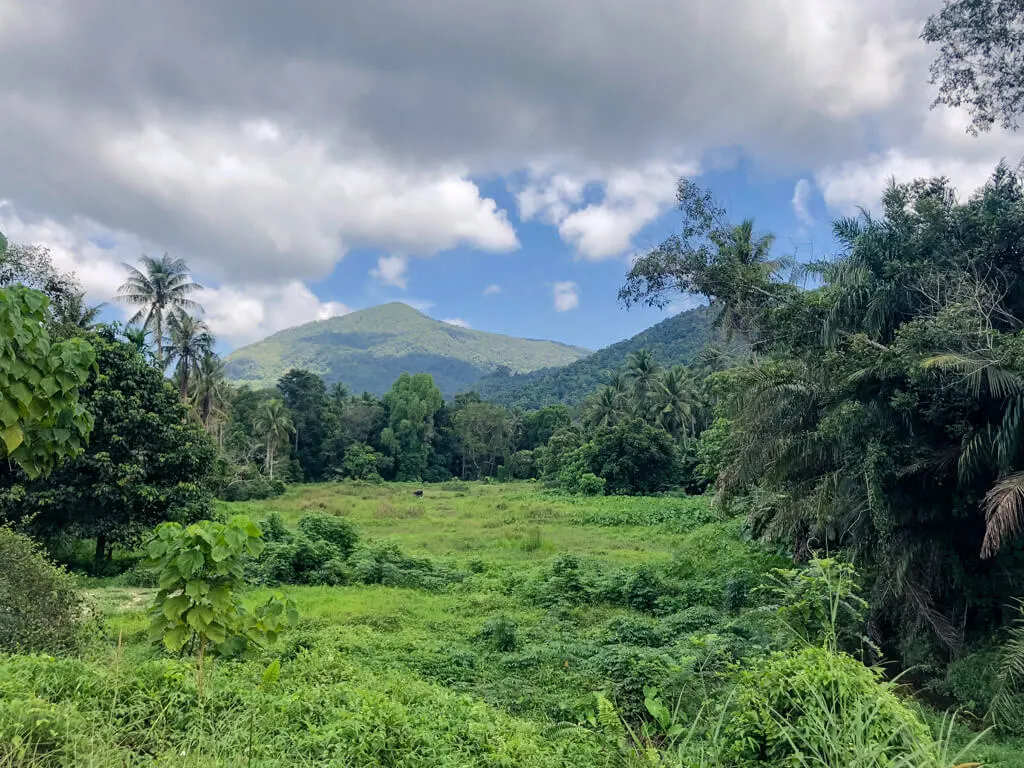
column 496, row 669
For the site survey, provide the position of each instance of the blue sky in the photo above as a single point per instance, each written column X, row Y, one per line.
column 305, row 167
column 454, row 281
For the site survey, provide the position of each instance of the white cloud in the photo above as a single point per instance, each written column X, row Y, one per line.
column 288, row 204
column 492, row 289
column 240, row 315
column 566, row 295
column 801, row 199
column 458, row 321
column 236, row 313
column 632, row 199
column 390, row 270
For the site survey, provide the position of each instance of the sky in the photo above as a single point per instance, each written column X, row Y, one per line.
column 494, row 164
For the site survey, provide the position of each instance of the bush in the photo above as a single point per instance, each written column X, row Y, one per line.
column 336, row 531
column 697, row 618
column 817, row 707
column 273, row 528
column 500, row 632
column 41, row 608
column 590, row 484
column 635, row 630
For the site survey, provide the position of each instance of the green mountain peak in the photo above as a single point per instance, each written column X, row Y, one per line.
column 368, row 349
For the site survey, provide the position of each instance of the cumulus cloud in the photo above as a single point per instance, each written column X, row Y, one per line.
column 567, row 295
column 801, row 199
column 632, row 198
column 390, row 270
column 492, row 289
column 457, row 321
column 267, row 140
column 236, row 313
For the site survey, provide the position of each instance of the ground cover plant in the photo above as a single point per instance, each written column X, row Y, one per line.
column 556, row 638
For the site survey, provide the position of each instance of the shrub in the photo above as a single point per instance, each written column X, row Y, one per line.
column 310, row 555
column 817, row 707
column 334, row 573
column 635, row 630
column 500, row 632
column 696, row 618
column 41, row 608
column 336, row 531
column 590, row 484
column 273, row 528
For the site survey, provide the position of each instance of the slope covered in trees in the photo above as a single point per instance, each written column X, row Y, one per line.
column 677, row 340
column 367, row 350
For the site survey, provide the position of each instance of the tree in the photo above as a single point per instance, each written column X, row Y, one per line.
column 305, row 396
column 606, row 408
column 980, row 63
column 634, row 457
column 273, row 424
column 540, row 425
column 32, row 267
column 674, row 401
column 189, row 340
column 482, row 433
column 73, row 315
column 212, row 394
column 42, row 418
column 145, row 463
column 411, row 404
column 643, row 371
column 160, row 287
column 726, row 263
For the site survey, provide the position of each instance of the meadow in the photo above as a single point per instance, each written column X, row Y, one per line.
column 481, row 624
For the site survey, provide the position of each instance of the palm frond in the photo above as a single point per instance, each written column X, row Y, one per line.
column 1004, row 513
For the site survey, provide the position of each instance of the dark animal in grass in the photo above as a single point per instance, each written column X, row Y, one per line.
column 417, row 493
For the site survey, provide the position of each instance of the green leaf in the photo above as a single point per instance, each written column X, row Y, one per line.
column 272, row 673
column 196, row 589
column 176, row 638
column 220, row 553
column 190, row 563
column 216, row 632
column 175, row 606
column 12, row 437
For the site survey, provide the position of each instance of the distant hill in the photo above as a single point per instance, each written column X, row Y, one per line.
column 367, row 350
column 675, row 340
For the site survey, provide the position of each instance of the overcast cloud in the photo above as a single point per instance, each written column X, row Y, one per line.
column 263, row 140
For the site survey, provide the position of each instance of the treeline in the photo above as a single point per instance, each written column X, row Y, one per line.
column 635, row 435
column 879, row 413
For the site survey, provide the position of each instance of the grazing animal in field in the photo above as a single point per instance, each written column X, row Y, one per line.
column 417, row 493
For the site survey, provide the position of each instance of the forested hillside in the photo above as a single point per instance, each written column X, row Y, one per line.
column 677, row 340
column 367, row 350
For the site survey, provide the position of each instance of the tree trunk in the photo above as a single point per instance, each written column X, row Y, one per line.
column 160, row 338
column 270, row 460
column 101, row 548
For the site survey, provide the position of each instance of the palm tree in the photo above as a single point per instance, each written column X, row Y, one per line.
column 212, row 394
column 644, row 372
column 189, row 340
column 746, row 267
column 161, row 286
column 73, row 312
column 675, row 401
column 273, row 424
column 606, row 408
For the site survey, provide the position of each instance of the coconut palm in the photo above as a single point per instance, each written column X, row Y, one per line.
column 212, row 393
column 675, row 401
column 189, row 340
column 273, row 424
column 644, row 372
column 158, row 288
column 74, row 313
column 606, row 408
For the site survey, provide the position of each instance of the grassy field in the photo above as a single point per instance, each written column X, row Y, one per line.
column 488, row 660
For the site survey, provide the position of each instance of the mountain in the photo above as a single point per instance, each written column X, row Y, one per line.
column 676, row 340
column 368, row 349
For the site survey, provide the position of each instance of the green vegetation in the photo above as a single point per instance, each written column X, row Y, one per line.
column 643, row 619
column 678, row 340
column 847, row 594
column 367, row 350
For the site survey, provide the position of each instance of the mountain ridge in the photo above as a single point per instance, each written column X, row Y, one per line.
column 677, row 339
column 368, row 349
